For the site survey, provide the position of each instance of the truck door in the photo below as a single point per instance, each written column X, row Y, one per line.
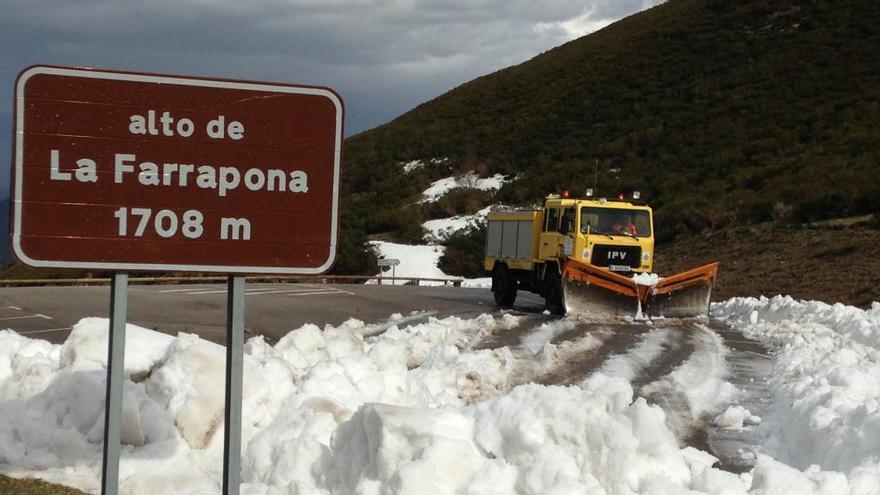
column 567, row 231
column 549, row 245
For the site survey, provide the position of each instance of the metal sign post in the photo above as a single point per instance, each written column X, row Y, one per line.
column 234, row 370
column 384, row 263
column 115, row 377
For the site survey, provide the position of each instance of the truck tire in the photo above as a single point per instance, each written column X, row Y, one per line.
column 553, row 297
column 503, row 286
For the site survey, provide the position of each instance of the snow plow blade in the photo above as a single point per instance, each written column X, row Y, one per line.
column 593, row 291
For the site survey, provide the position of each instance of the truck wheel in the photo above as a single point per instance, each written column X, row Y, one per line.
column 553, row 293
column 503, row 287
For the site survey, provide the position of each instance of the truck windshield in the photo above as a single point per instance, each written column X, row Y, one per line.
column 615, row 221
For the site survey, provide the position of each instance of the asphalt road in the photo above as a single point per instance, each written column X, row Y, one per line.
column 271, row 310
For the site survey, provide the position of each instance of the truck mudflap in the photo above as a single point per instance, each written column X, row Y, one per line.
column 591, row 291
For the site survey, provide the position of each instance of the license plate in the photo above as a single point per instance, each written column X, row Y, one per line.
column 619, row 268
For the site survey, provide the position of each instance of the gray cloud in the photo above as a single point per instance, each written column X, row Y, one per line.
column 383, row 56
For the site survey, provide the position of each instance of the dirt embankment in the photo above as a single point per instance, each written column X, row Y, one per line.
column 832, row 262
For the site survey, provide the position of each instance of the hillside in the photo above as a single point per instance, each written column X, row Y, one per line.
column 824, row 261
column 724, row 114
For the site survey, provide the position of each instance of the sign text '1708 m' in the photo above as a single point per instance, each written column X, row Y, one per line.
column 167, row 224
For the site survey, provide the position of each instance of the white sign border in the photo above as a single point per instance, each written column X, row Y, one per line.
column 181, row 81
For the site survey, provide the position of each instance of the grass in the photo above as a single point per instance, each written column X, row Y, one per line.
column 30, row 486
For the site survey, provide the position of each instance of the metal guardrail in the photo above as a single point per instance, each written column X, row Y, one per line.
column 314, row 279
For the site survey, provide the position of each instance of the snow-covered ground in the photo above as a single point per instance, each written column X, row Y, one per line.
column 415, row 261
column 470, row 180
column 439, row 230
column 419, row 262
column 418, row 409
column 826, row 380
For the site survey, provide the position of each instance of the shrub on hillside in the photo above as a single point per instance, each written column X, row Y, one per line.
column 460, row 201
column 464, row 253
column 352, row 258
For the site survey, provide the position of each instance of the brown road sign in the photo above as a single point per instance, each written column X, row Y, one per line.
column 125, row 171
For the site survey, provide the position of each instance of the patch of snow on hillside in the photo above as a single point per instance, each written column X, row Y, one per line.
column 419, row 262
column 415, row 261
column 471, row 180
column 414, row 165
column 440, row 229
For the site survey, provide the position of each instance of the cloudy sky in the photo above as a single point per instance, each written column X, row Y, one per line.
column 383, row 56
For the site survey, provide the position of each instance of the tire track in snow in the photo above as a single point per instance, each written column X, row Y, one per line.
column 719, row 371
column 618, row 339
column 676, row 350
column 542, row 344
column 667, row 390
column 750, row 366
column 639, row 359
column 512, row 337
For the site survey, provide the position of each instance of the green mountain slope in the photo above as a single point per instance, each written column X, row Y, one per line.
column 722, row 113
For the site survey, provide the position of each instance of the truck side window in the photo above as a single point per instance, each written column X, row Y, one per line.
column 552, row 220
column 567, row 223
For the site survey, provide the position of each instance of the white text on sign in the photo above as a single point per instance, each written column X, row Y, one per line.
column 223, row 179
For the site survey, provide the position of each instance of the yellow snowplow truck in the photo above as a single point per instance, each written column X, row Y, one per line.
column 591, row 257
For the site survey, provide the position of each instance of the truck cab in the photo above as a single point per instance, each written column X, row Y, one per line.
column 613, row 234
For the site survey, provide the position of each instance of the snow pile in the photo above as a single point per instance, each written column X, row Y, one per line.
column 646, row 279
column 414, row 410
column 415, row 261
column 826, row 380
column 440, row 229
column 735, row 417
column 470, row 180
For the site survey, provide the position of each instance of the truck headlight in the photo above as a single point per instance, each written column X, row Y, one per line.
column 586, row 253
column 646, row 256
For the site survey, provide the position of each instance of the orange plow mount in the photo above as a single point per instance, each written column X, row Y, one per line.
column 592, row 291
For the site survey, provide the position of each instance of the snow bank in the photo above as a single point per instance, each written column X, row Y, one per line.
column 470, row 180
column 331, row 412
column 826, row 408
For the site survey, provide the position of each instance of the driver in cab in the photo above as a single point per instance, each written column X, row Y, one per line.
column 625, row 226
